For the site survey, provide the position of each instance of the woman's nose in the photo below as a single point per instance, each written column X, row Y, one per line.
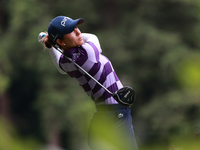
column 77, row 31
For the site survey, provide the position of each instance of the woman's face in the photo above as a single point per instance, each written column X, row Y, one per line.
column 71, row 40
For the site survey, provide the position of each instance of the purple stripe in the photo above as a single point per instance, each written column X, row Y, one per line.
column 87, row 78
column 106, row 71
column 60, row 60
column 105, row 96
column 75, row 74
column 116, row 77
column 95, row 50
column 63, row 59
column 113, row 88
column 86, row 87
column 83, row 56
column 93, row 71
column 102, row 97
column 68, row 54
column 81, row 59
column 95, row 68
column 80, row 62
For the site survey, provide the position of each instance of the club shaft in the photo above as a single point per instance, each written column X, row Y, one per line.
column 58, row 49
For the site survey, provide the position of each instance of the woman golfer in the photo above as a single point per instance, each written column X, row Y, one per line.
column 111, row 126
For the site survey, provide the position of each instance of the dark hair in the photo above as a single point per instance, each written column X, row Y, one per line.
column 48, row 43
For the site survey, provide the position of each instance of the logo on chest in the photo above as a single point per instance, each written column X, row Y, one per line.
column 75, row 56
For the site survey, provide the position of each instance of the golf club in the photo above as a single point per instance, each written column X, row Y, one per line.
column 125, row 96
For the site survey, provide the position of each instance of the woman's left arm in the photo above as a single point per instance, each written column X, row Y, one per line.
column 87, row 37
column 91, row 46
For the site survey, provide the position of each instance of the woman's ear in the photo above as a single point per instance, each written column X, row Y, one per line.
column 59, row 41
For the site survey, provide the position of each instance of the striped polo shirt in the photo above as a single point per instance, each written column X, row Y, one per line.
column 89, row 57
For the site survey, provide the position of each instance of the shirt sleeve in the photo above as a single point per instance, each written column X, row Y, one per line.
column 55, row 56
column 91, row 46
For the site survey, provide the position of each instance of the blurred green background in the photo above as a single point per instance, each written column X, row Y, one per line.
column 154, row 47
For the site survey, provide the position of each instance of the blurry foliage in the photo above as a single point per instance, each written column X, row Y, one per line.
column 153, row 45
column 4, row 84
column 174, row 143
column 188, row 72
column 174, row 114
column 10, row 140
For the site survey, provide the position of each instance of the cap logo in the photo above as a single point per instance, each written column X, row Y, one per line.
column 63, row 21
column 54, row 37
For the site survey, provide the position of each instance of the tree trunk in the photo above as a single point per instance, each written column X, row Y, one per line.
column 5, row 109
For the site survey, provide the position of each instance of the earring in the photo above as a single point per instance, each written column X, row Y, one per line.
column 64, row 44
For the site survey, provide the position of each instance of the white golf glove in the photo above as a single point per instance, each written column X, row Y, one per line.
column 40, row 36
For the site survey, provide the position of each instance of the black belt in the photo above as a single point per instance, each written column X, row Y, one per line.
column 112, row 107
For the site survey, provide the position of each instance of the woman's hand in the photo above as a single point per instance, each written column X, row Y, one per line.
column 43, row 38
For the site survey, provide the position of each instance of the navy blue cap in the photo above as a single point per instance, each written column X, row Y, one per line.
column 62, row 25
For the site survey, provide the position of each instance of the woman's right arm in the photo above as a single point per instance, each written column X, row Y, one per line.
column 55, row 56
